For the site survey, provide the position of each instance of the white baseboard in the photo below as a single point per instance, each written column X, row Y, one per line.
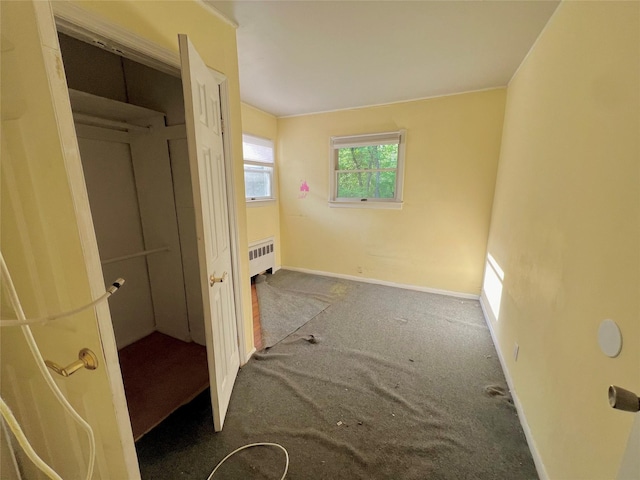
column 249, row 355
column 537, row 459
column 375, row 281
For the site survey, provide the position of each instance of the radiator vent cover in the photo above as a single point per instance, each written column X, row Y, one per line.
column 261, row 256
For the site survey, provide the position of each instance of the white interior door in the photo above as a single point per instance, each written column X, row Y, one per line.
column 48, row 242
column 204, row 137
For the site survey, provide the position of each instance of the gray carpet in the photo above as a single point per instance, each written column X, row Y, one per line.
column 383, row 384
column 284, row 309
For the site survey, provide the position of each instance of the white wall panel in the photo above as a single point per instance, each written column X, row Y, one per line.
column 113, row 198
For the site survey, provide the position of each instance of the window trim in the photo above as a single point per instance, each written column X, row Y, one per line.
column 346, row 141
column 257, row 201
column 260, row 202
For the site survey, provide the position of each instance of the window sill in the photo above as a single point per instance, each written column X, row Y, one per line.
column 367, row 204
column 261, row 203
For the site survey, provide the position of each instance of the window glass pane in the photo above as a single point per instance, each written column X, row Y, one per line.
column 370, row 157
column 257, row 181
column 367, row 185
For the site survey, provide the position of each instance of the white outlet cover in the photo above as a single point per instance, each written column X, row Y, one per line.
column 610, row 338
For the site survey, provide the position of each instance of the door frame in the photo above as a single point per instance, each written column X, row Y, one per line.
column 84, row 25
column 75, row 21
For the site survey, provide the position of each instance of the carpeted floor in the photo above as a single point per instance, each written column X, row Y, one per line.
column 283, row 310
column 383, row 384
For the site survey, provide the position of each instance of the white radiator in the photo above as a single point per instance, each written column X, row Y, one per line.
column 261, row 256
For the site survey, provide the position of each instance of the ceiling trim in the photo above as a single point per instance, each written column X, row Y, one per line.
column 248, row 105
column 217, row 13
column 386, row 103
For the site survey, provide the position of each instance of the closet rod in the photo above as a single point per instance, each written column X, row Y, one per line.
column 144, row 253
column 85, row 119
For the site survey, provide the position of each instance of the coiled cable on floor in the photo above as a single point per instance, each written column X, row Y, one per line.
column 286, row 467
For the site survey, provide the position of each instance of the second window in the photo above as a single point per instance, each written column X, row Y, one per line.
column 367, row 168
column 258, row 168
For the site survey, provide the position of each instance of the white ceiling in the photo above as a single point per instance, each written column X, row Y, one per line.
column 298, row 57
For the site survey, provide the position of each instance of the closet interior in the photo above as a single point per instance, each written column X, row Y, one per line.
column 129, row 122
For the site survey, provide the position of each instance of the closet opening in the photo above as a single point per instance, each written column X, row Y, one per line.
column 130, row 124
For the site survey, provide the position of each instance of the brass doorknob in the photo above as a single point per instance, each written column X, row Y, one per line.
column 213, row 279
column 86, row 359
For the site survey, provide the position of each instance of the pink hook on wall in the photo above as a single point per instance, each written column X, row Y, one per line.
column 304, row 189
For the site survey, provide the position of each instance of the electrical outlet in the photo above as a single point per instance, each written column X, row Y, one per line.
column 516, row 349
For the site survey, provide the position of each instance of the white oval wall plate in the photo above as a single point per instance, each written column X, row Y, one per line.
column 610, row 338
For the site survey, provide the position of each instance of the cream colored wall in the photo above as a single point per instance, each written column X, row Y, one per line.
column 566, row 231
column 438, row 239
column 263, row 220
column 215, row 40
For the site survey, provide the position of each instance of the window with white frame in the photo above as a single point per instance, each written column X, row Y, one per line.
column 367, row 170
column 258, row 168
